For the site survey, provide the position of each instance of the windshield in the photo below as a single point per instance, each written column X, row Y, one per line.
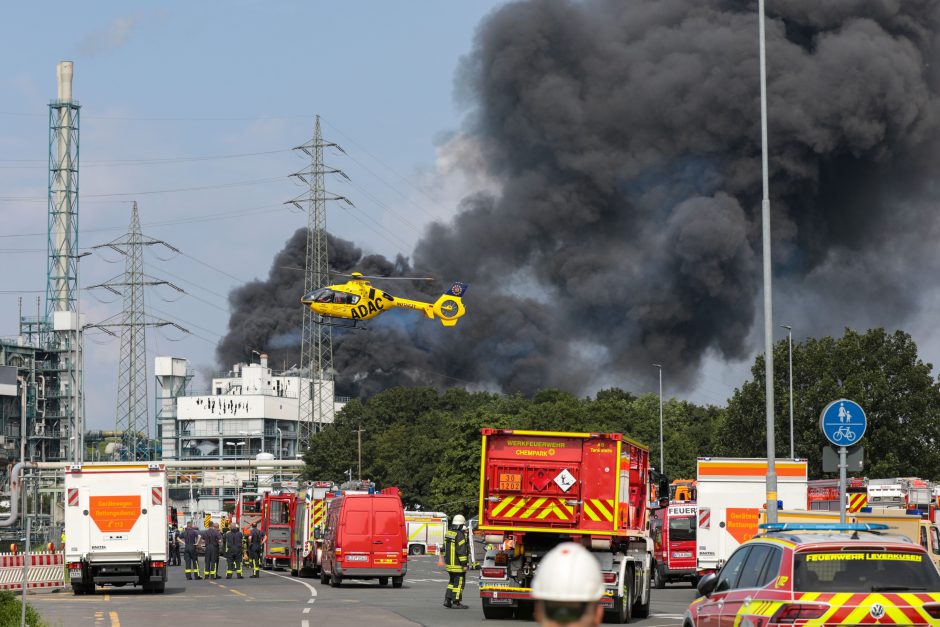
column 682, row 529
column 863, row 571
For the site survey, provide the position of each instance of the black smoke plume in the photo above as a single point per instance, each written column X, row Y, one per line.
column 625, row 138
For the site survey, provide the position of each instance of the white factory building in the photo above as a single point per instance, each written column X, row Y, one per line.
column 247, row 411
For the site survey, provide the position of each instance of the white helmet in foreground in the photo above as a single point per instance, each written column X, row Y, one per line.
column 458, row 520
column 568, row 573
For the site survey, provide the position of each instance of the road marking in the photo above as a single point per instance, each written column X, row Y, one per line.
column 313, row 591
column 241, row 594
column 305, row 623
column 311, row 600
column 107, row 597
column 306, row 610
column 115, row 621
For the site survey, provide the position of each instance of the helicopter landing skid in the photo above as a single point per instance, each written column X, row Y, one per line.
column 328, row 322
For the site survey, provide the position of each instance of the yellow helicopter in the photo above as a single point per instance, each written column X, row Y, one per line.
column 357, row 300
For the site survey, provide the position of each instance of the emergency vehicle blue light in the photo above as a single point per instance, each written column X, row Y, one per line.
column 865, row 510
column 807, row 526
column 913, row 512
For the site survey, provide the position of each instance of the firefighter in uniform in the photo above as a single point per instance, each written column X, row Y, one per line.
column 190, row 539
column 213, row 540
column 233, row 552
column 254, row 549
column 174, row 546
column 456, row 555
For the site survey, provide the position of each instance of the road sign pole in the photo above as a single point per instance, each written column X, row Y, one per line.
column 842, row 468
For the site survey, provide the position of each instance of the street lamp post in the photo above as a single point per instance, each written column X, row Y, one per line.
column 771, row 488
column 790, row 357
column 662, row 464
column 359, row 432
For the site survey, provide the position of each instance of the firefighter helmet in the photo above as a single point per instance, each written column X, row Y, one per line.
column 458, row 521
column 568, row 573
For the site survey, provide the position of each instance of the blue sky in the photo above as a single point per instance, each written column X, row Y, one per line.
column 173, row 80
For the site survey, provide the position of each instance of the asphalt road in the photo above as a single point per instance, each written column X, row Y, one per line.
column 281, row 600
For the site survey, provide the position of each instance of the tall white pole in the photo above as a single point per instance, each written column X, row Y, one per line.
column 768, row 294
column 662, row 464
column 790, row 358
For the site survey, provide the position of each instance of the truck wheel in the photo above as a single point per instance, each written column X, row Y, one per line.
column 159, row 587
column 416, row 549
column 78, row 589
column 383, row 581
column 335, row 580
column 641, row 609
column 525, row 610
column 398, row 581
column 496, row 613
column 90, row 588
column 658, row 579
column 623, row 607
column 324, row 577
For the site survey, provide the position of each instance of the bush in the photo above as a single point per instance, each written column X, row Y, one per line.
column 10, row 609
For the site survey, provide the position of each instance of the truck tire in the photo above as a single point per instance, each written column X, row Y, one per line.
column 324, row 577
column 491, row 612
column 78, row 589
column 335, row 580
column 658, row 579
column 383, row 581
column 416, row 549
column 623, row 607
column 641, row 609
column 525, row 610
column 398, row 581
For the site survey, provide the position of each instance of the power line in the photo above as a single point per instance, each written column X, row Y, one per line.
column 156, row 191
column 147, row 161
column 135, row 118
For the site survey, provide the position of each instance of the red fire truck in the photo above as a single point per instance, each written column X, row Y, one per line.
column 307, row 522
column 673, row 529
column 278, row 516
column 247, row 510
column 823, row 494
column 538, row 489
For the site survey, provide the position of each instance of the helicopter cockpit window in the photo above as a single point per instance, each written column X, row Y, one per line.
column 344, row 298
column 320, row 296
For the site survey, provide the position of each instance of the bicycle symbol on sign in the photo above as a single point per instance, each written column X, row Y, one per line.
column 843, row 432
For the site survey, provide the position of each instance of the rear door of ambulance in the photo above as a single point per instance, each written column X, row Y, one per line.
column 389, row 542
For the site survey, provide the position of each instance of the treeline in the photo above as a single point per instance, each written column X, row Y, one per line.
column 428, row 443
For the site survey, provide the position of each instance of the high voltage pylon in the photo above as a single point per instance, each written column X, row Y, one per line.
column 316, row 340
column 132, row 418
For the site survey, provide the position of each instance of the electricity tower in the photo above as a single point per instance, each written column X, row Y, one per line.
column 316, row 339
column 132, row 416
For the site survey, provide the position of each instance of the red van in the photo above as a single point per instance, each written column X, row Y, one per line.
column 365, row 538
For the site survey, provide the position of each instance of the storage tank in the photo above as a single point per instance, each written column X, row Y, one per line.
column 265, row 473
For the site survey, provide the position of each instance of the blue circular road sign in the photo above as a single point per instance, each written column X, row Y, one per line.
column 843, row 422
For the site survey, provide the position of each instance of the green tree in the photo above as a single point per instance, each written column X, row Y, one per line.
column 880, row 371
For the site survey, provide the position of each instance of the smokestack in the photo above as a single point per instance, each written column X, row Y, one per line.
column 63, row 73
column 264, row 360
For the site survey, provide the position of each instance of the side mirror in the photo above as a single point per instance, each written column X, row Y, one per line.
column 707, row 584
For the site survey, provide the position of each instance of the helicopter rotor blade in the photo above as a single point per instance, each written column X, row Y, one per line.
column 386, row 278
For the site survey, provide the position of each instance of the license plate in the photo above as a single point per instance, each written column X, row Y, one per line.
column 357, row 558
column 495, row 601
column 685, row 554
column 75, row 572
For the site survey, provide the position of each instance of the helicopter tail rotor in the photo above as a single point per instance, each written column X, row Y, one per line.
column 449, row 307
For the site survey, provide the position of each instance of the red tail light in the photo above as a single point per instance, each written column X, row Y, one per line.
column 339, row 552
column 158, row 564
column 404, row 554
column 74, row 565
column 494, row 573
column 932, row 609
column 610, row 577
column 792, row 612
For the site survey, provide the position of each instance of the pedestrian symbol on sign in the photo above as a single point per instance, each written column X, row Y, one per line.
column 844, row 414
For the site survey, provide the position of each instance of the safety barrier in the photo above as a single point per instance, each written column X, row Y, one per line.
column 46, row 570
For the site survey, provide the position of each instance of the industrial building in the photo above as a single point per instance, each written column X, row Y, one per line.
column 248, row 411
